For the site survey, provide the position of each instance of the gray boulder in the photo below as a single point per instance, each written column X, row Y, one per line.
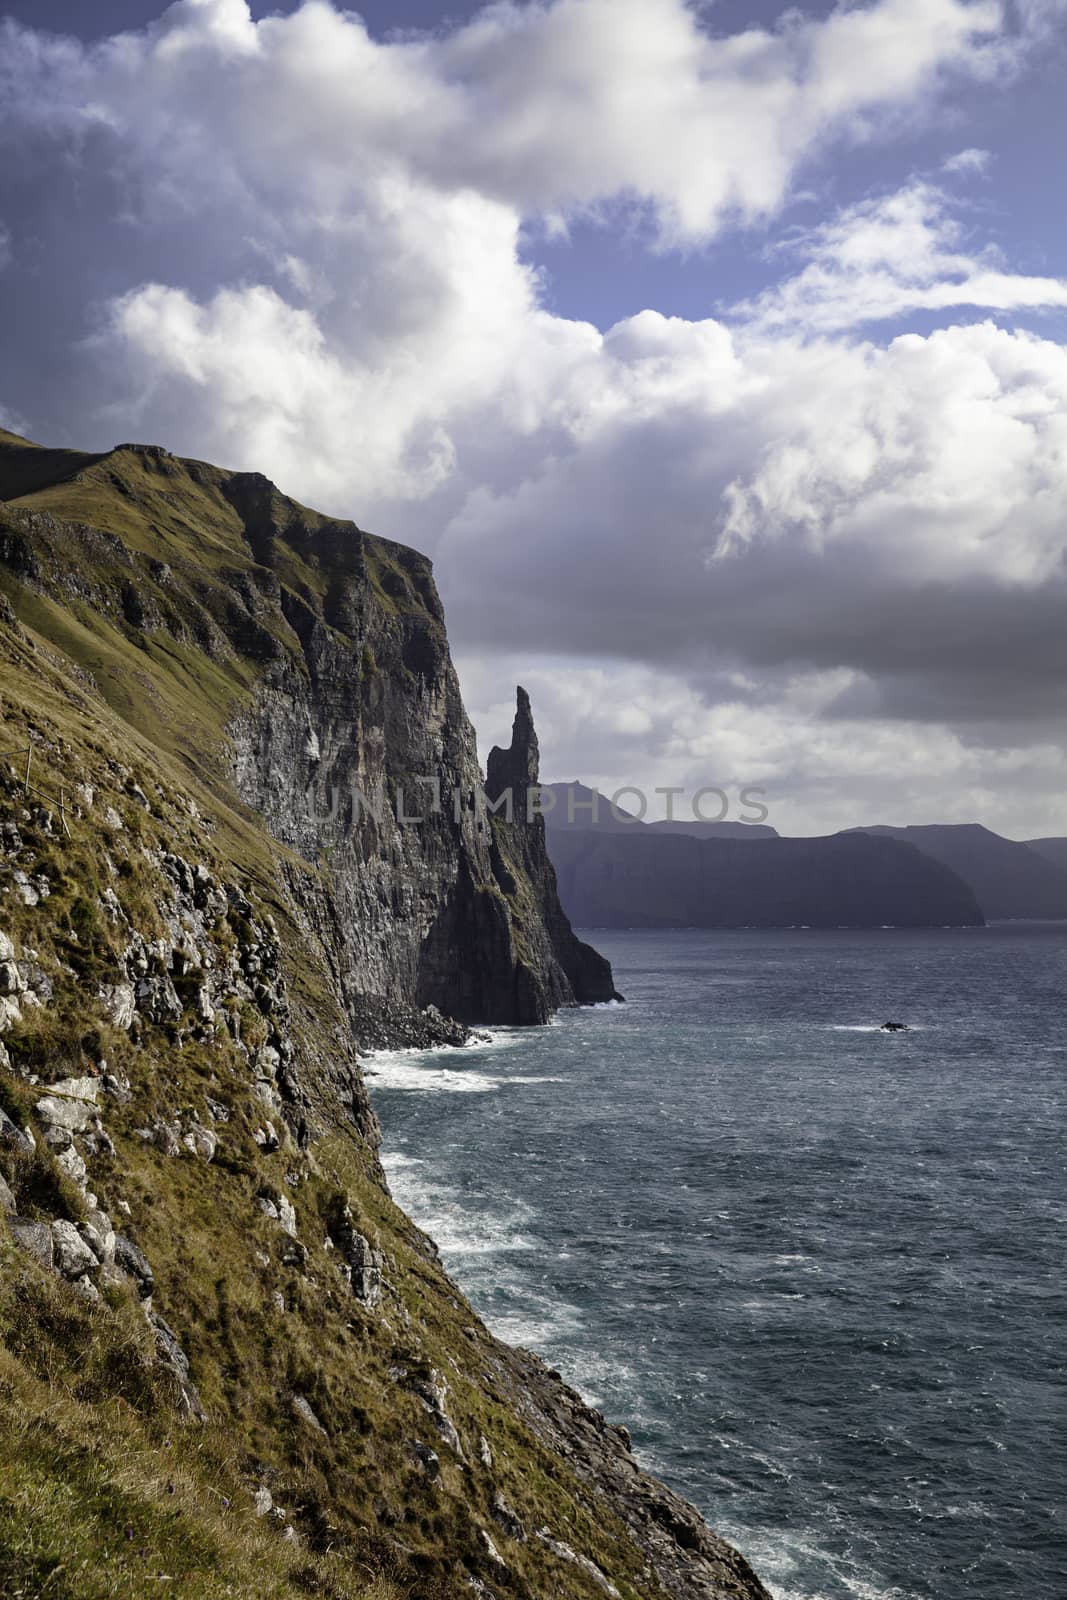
column 71, row 1255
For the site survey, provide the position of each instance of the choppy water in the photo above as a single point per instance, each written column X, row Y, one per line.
column 817, row 1269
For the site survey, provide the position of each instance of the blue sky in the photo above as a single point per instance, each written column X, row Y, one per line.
column 717, row 354
column 604, row 272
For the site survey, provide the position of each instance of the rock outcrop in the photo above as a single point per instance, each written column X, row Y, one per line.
column 574, row 970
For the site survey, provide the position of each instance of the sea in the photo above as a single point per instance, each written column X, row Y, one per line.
column 818, row 1270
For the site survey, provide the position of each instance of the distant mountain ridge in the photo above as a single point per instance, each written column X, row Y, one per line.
column 611, row 879
column 1054, row 850
column 617, row 870
column 1011, row 881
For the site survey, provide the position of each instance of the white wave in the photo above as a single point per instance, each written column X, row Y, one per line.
column 399, row 1071
column 460, row 1233
column 869, row 1027
column 411, row 1072
column 778, row 1556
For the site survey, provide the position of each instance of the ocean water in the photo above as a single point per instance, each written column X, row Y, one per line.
column 818, row 1270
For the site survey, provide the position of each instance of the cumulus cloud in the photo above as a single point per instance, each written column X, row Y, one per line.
column 300, row 251
column 546, row 106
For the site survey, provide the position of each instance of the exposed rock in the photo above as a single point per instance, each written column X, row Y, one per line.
column 402, row 932
column 363, row 1262
column 200, row 1142
column 37, row 985
column 34, row 1237
column 70, row 1161
column 263, row 1501
column 72, row 1256
column 565, row 1553
column 293, row 1254
column 441, row 914
column 519, row 847
column 508, row 1518
column 176, row 1361
column 11, row 979
column 492, row 1552
column 119, row 1004
column 13, row 1134
column 7, row 1199
column 306, row 1414
column 133, row 1261
column 433, row 1392
column 428, row 1460
column 69, row 1105
column 27, row 892
column 100, row 1236
column 166, row 1136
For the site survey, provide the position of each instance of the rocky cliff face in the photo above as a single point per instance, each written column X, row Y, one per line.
column 223, row 1350
column 343, row 723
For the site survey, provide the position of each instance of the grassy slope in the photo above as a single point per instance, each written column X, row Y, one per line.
column 103, row 1488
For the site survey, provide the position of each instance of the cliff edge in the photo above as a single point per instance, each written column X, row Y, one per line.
column 229, row 1364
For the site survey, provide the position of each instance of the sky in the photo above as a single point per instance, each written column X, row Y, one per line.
column 716, row 353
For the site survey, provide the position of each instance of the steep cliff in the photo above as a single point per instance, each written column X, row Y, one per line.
column 322, row 687
column 1010, row 880
column 229, row 1365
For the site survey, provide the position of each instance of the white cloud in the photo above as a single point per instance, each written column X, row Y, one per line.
column 896, row 254
column 546, row 107
column 969, row 162
column 944, row 458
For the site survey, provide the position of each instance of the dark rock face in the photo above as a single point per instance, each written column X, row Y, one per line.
column 519, row 852
column 360, row 754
